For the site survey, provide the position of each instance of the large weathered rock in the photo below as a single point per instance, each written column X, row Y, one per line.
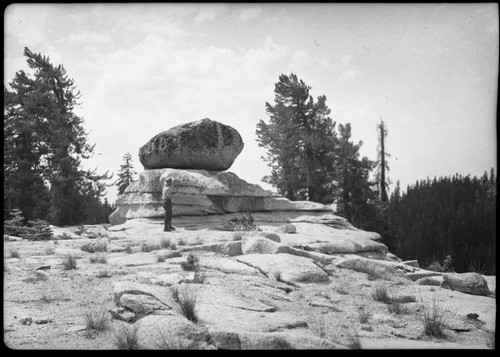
column 202, row 144
column 200, row 193
column 470, row 283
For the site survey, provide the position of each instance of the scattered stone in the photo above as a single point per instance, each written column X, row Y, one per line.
column 76, row 328
column 228, row 248
column 290, row 268
column 412, row 263
column 26, row 321
column 42, row 267
column 470, row 283
column 43, row 321
column 287, row 228
column 430, row 280
column 122, row 315
column 127, row 287
column 422, row 274
column 141, row 304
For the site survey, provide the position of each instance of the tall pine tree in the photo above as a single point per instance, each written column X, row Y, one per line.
column 45, row 143
column 300, row 142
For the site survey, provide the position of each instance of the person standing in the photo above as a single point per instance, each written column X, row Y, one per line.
column 167, row 194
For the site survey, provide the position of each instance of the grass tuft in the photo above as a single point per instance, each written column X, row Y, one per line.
column 96, row 320
column 434, row 319
column 127, row 337
column 186, row 301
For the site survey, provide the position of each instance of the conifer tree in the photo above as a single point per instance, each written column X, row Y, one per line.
column 126, row 174
column 382, row 167
column 300, row 142
column 45, row 142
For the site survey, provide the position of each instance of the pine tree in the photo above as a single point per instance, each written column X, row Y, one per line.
column 45, row 142
column 126, row 174
column 300, row 142
column 354, row 191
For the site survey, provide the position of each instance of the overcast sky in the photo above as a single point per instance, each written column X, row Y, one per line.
column 429, row 70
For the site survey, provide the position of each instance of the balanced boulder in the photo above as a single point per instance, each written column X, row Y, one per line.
column 202, row 144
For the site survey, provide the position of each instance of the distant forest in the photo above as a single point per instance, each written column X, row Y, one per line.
column 453, row 216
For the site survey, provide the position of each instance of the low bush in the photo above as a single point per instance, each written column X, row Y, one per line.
column 69, row 262
column 149, row 247
column 14, row 253
column 191, row 264
column 364, row 315
column 93, row 247
column 245, row 223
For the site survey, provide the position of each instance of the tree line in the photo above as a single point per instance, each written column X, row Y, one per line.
column 313, row 158
column 453, row 216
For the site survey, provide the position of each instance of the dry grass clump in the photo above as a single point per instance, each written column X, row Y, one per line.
column 149, row 247
column 14, row 253
column 97, row 320
column 126, row 337
column 186, row 301
column 434, row 318
column 364, row 314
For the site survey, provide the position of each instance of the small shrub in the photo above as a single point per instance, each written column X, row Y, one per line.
column 364, row 315
column 96, row 320
column 167, row 341
column 127, row 337
column 245, row 223
column 435, row 319
column 396, row 308
column 191, row 264
column 103, row 273
column 98, row 259
column 14, row 253
column 69, row 262
column 199, row 277
column 81, row 230
column 49, row 250
column 63, row 236
column 181, row 241
column 15, row 226
column 173, row 245
column 128, row 249
column 160, row 258
column 38, row 230
column 237, row 236
column 445, row 266
column 94, row 247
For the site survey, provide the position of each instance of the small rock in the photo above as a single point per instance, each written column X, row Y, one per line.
column 26, row 321
column 42, row 267
column 76, row 328
column 470, row 283
column 43, row 321
column 122, row 315
column 287, row 228
column 412, row 263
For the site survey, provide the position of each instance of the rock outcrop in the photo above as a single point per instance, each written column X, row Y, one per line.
column 202, row 144
column 200, row 193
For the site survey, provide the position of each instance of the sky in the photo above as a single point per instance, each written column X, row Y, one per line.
column 430, row 71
